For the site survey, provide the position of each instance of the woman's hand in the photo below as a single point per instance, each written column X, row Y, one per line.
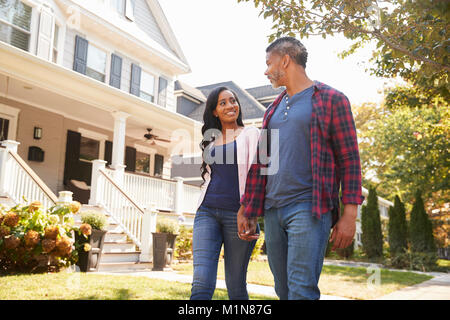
column 246, row 226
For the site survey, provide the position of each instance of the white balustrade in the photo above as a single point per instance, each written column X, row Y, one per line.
column 18, row 180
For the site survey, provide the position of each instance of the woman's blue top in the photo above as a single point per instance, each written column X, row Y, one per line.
column 223, row 189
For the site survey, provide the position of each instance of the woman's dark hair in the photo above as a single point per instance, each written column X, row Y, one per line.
column 212, row 122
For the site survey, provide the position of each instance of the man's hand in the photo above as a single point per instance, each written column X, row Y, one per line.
column 246, row 226
column 344, row 230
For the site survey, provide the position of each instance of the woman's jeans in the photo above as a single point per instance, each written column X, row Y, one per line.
column 296, row 243
column 212, row 227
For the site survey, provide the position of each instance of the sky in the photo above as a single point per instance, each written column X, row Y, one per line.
column 224, row 40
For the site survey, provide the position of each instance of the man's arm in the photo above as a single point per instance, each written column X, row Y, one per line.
column 345, row 148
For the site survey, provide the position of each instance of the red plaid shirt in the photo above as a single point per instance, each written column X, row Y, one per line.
column 334, row 156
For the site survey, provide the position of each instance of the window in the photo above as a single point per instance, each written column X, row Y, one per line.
column 96, row 63
column 89, row 149
column 15, row 21
column 4, row 126
column 118, row 5
column 55, row 44
column 159, row 164
column 147, row 91
column 142, row 162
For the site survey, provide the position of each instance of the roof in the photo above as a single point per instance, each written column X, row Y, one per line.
column 251, row 108
column 264, row 91
column 191, row 91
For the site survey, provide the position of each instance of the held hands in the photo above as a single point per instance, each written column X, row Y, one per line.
column 246, row 226
column 344, row 230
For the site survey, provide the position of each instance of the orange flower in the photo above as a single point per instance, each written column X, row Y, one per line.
column 11, row 242
column 64, row 246
column 51, row 232
column 48, row 245
column 4, row 231
column 86, row 229
column 11, row 219
column 87, row 247
column 31, row 238
column 35, row 205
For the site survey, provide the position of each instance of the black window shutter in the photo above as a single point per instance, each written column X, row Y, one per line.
column 162, row 91
column 80, row 57
column 135, row 83
column 116, row 71
column 130, row 159
column 108, row 152
column 72, row 155
column 159, row 162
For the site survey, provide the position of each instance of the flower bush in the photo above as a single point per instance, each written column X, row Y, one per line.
column 34, row 239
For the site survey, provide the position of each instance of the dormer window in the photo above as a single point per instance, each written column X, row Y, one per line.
column 15, row 22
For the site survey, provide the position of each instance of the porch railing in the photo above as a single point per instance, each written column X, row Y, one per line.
column 138, row 223
column 18, row 180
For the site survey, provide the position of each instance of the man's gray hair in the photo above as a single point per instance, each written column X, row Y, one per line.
column 292, row 47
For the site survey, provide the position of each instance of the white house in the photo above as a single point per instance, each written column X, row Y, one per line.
column 87, row 104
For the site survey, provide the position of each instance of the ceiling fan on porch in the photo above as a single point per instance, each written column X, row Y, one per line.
column 151, row 137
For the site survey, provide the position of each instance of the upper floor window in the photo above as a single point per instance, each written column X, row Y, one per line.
column 96, row 63
column 147, row 91
column 55, row 44
column 15, row 22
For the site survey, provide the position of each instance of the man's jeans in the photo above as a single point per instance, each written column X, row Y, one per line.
column 296, row 243
column 212, row 227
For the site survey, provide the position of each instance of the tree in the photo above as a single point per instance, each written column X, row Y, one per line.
column 372, row 237
column 397, row 228
column 421, row 231
column 411, row 36
column 407, row 147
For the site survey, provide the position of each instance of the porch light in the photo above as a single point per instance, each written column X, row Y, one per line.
column 37, row 133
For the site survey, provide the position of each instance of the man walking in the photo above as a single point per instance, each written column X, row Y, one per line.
column 317, row 154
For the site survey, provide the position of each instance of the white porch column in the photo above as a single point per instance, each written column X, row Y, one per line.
column 97, row 183
column 65, row 197
column 148, row 226
column 5, row 165
column 179, row 196
column 118, row 150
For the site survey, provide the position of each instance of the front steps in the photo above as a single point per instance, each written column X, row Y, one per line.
column 120, row 254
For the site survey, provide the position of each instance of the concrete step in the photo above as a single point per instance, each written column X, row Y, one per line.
column 119, row 246
column 120, row 257
column 124, row 266
column 116, row 236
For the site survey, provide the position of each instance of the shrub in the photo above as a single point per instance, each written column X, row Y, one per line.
column 33, row 239
column 372, row 238
column 422, row 261
column 167, row 225
column 421, row 230
column 258, row 246
column 398, row 233
column 95, row 219
column 183, row 246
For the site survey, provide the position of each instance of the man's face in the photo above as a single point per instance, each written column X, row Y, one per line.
column 274, row 71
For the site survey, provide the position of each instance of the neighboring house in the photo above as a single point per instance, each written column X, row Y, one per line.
column 254, row 101
column 83, row 80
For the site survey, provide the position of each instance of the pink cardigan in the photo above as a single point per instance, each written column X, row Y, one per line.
column 246, row 144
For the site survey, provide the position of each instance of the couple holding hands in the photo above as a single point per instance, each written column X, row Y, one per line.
column 313, row 154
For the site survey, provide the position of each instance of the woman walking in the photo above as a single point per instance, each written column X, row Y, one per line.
column 228, row 150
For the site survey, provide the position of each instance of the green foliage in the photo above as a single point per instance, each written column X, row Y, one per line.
column 183, row 246
column 397, row 228
column 34, row 239
column 258, row 246
column 421, row 261
column 408, row 147
column 96, row 219
column 371, row 238
column 167, row 225
column 421, row 231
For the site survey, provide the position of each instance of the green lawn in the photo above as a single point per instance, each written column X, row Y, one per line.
column 349, row 282
column 89, row 286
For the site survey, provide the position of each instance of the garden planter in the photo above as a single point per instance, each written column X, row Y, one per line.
column 89, row 261
column 163, row 250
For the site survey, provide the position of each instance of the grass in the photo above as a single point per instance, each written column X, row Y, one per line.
column 349, row 282
column 88, row 286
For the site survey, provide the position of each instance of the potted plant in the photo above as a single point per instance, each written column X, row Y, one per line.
column 164, row 243
column 90, row 238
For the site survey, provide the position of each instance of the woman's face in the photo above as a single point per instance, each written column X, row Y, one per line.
column 227, row 109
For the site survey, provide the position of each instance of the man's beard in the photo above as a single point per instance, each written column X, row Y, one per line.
column 275, row 79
